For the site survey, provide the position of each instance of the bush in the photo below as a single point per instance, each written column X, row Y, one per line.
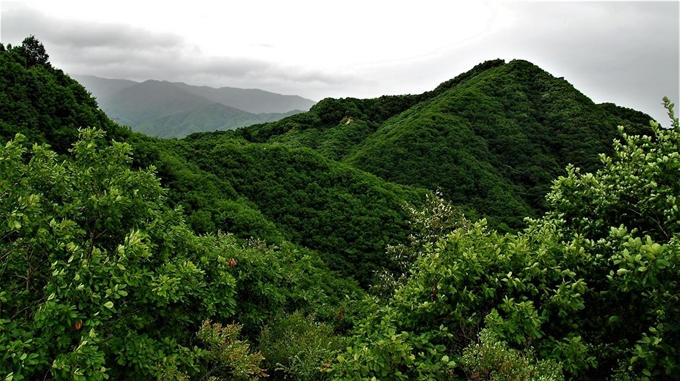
column 298, row 347
column 491, row 359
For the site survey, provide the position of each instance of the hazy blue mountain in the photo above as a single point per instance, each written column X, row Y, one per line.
column 164, row 109
column 102, row 87
column 251, row 100
column 201, row 118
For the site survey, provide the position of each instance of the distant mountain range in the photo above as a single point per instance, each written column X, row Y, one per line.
column 174, row 109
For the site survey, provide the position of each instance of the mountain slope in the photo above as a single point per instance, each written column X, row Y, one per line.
column 251, row 100
column 255, row 101
column 45, row 104
column 165, row 109
column 263, row 192
column 201, row 118
column 147, row 100
column 102, row 276
column 346, row 214
column 102, row 87
column 491, row 139
column 162, row 109
column 159, row 108
column 514, row 126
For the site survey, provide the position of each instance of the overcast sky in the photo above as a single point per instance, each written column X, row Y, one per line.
column 621, row 52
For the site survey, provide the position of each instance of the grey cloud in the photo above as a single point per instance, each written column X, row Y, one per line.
column 19, row 21
column 121, row 51
column 625, row 53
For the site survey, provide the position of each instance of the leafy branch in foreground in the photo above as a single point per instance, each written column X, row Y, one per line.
column 99, row 277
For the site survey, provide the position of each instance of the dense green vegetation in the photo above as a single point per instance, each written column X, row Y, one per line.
column 592, row 284
column 300, row 196
column 492, row 139
column 98, row 272
column 269, row 252
column 42, row 102
column 273, row 192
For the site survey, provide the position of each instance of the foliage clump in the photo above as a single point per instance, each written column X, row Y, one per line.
column 230, row 357
column 491, row 359
column 99, row 276
column 43, row 103
column 299, row 347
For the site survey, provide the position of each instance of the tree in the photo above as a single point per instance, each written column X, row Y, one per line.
column 34, row 52
column 99, row 278
column 627, row 214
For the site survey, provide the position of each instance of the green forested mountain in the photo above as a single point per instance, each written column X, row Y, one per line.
column 146, row 279
column 274, row 192
column 492, row 139
column 270, row 251
column 349, row 216
column 44, row 103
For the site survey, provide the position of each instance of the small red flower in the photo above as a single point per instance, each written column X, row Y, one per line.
column 78, row 325
column 232, row 262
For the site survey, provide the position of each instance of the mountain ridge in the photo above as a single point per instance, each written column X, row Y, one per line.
column 255, row 101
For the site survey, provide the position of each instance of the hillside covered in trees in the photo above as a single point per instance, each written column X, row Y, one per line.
column 364, row 239
column 492, row 139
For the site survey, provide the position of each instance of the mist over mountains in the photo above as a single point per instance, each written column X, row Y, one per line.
column 165, row 109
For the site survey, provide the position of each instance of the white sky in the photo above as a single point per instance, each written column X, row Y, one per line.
column 626, row 53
